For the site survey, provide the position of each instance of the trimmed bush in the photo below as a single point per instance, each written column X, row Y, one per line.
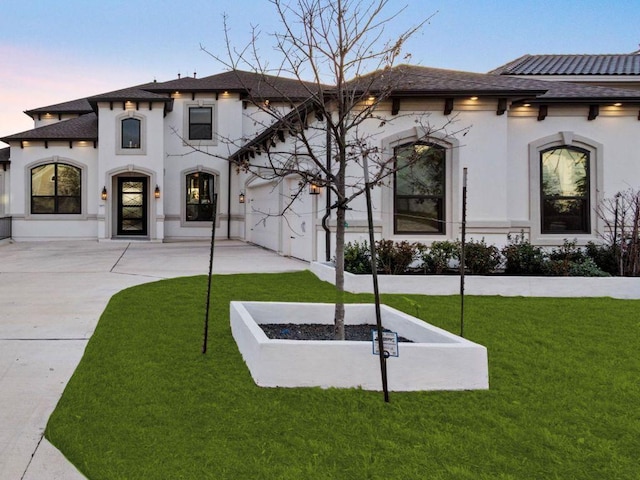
column 605, row 257
column 480, row 258
column 394, row 258
column 586, row 268
column 522, row 258
column 563, row 258
column 437, row 258
column 357, row 258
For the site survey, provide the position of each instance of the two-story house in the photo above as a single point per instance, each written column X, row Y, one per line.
column 144, row 162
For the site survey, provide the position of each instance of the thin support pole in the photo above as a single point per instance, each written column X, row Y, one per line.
column 213, row 237
column 374, row 273
column 463, row 247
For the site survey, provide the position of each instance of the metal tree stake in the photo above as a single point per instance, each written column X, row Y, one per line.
column 462, row 248
column 374, row 274
column 213, row 237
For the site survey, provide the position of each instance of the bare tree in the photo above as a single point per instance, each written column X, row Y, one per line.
column 621, row 217
column 344, row 68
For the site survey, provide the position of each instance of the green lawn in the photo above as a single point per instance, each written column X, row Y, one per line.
column 146, row 404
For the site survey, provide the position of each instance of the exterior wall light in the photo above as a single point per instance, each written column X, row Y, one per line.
column 314, row 188
column 241, row 197
column 156, row 192
column 103, row 195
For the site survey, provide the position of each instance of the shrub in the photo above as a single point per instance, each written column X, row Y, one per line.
column 523, row 258
column 586, row 268
column 395, row 258
column 357, row 257
column 436, row 259
column 605, row 257
column 563, row 258
column 480, row 258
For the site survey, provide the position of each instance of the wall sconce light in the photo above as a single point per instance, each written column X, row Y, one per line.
column 314, row 188
column 103, row 195
column 156, row 192
column 241, row 197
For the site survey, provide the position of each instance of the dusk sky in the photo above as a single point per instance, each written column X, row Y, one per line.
column 51, row 52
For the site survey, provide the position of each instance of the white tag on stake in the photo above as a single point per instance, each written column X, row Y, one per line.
column 389, row 343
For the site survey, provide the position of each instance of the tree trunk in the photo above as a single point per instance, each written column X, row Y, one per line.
column 339, row 303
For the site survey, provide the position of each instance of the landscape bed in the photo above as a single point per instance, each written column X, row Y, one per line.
column 435, row 360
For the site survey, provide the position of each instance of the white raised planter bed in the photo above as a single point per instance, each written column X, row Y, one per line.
column 503, row 285
column 437, row 360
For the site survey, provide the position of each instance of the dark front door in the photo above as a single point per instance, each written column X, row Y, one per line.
column 132, row 206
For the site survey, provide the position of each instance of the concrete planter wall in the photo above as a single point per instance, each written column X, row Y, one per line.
column 438, row 360
column 507, row 286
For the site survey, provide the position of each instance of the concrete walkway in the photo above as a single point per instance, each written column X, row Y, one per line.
column 51, row 297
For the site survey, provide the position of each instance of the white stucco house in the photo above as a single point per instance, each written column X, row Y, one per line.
column 540, row 154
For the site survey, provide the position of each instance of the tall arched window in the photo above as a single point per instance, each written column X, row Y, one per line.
column 200, row 190
column 56, row 188
column 419, row 189
column 130, row 133
column 564, row 190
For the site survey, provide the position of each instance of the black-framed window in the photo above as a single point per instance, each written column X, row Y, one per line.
column 200, row 123
column 56, row 188
column 564, row 191
column 200, row 189
column 130, row 133
column 419, row 189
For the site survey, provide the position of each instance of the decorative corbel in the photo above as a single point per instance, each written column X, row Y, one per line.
column 395, row 106
column 448, row 105
column 543, row 111
column 502, row 106
column 594, row 111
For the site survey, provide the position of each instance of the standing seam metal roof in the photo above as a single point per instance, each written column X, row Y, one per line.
column 603, row 64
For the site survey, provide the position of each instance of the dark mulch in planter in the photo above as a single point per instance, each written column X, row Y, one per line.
column 316, row 331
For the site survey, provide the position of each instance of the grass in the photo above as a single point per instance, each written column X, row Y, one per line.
column 146, row 404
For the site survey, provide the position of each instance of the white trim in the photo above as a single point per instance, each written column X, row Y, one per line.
column 56, row 216
column 214, row 123
column 143, row 133
column 452, row 183
column 110, row 214
column 596, row 181
column 183, row 196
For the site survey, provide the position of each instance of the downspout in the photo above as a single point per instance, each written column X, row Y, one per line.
column 327, row 231
column 229, row 202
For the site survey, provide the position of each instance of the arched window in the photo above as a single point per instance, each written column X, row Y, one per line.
column 564, row 190
column 56, row 188
column 420, row 189
column 200, row 189
column 130, row 133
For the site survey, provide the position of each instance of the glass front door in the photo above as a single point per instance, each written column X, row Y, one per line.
column 132, row 206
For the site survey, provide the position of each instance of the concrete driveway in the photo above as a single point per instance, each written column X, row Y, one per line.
column 51, row 297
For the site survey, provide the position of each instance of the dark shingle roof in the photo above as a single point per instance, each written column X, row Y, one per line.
column 255, row 84
column 81, row 128
column 604, row 64
column 411, row 80
column 79, row 107
column 416, row 80
column 138, row 93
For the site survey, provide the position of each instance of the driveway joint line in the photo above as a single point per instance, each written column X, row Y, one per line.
column 32, row 455
column 120, row 257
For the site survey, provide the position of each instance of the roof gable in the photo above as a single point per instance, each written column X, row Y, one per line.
column 84, row 127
